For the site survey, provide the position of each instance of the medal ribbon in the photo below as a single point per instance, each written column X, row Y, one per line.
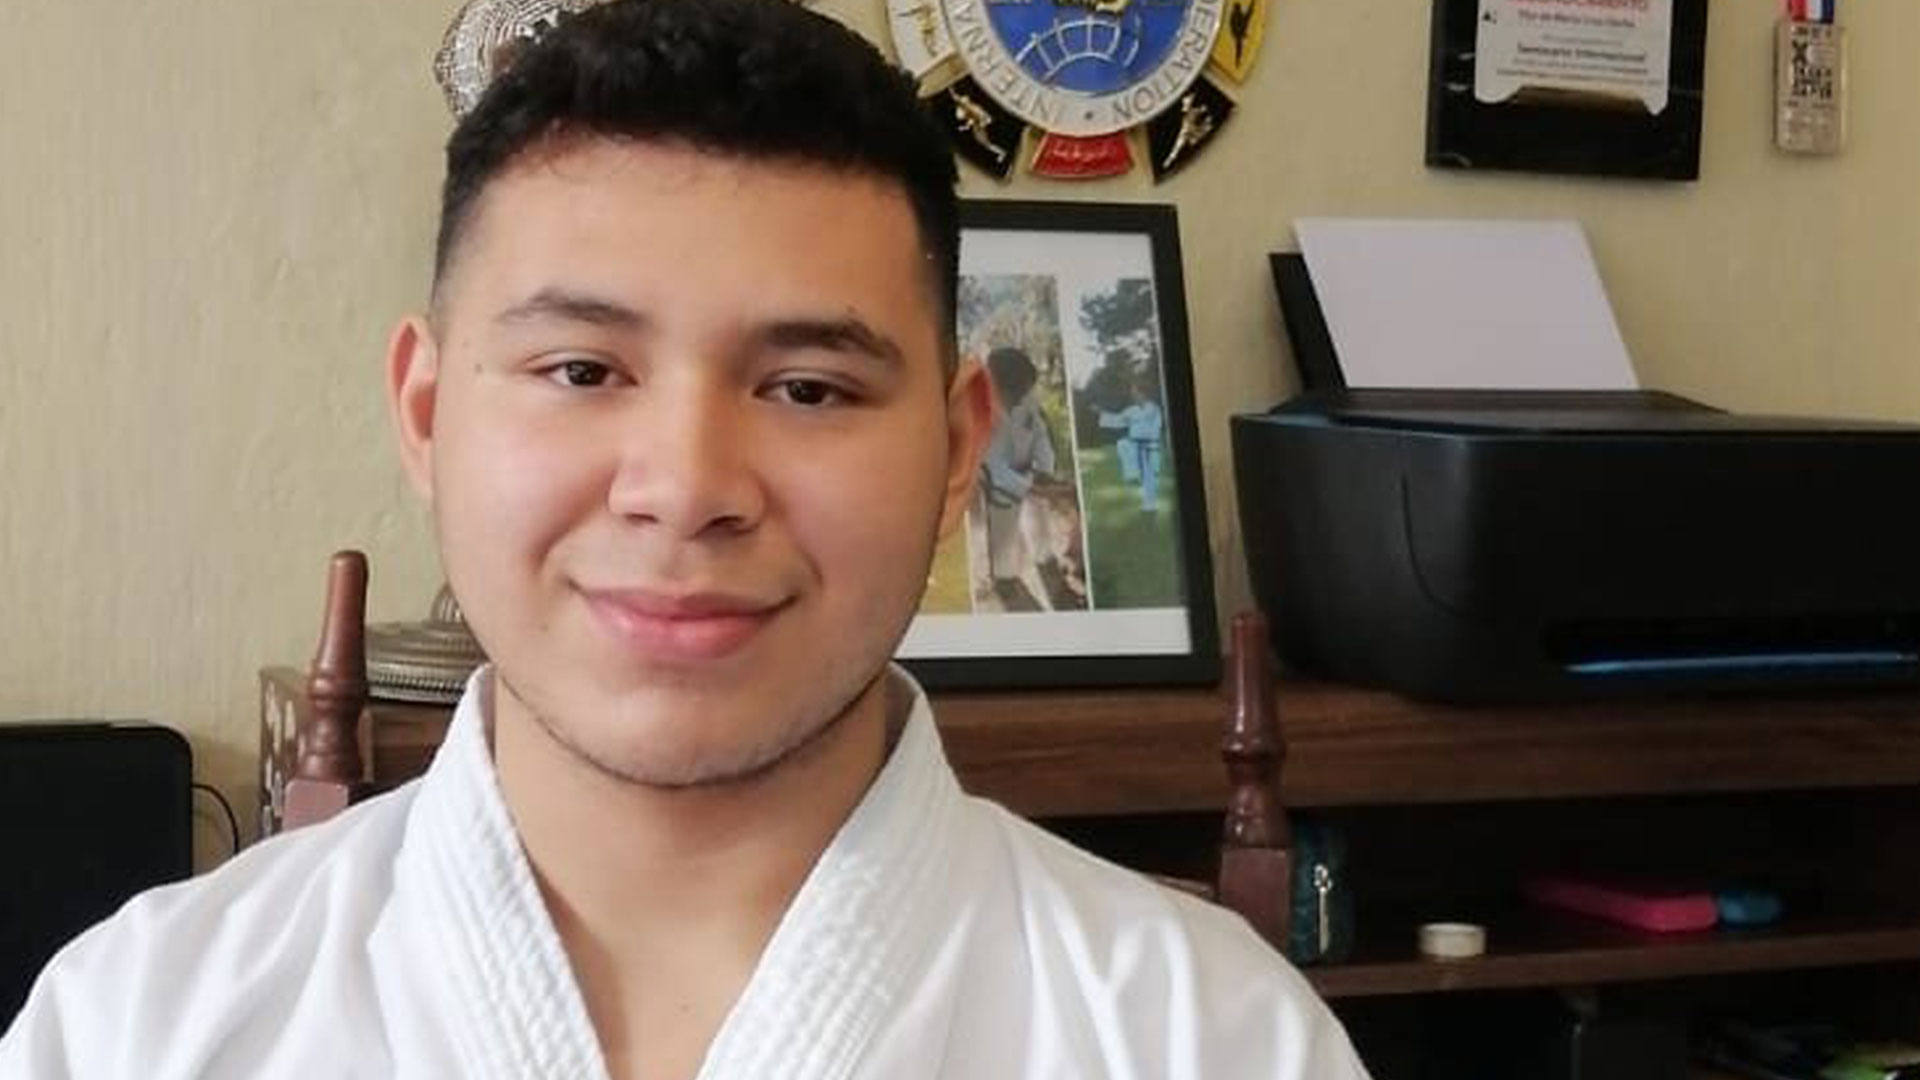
column 1819, row 11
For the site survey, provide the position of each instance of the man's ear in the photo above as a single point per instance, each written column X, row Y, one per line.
column 969, row 428
column 413, row 380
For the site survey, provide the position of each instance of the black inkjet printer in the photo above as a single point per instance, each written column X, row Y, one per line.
column 1518, row 545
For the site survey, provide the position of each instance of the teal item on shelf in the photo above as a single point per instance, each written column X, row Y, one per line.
column 1747, row 907
column 1322, row 923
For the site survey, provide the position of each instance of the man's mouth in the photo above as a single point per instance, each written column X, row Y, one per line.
column 681, row 627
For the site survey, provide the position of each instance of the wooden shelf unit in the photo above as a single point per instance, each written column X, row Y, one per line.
column 1483, row 795
column 1049, row 754
column 1157, row 751
column 1347, row 748
column 1817, row 794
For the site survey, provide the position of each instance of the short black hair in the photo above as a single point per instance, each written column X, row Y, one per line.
column 748, row 78
column 1013, row 373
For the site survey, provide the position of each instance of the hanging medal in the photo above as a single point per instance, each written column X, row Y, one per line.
column 1810, row 79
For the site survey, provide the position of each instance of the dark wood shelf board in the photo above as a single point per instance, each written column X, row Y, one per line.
column 1045, row 753
column 1545, row 950
column 1136, row 752
column 1100, row 752
column 1352, row 747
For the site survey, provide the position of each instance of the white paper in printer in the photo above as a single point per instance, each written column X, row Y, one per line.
column 1505, row 305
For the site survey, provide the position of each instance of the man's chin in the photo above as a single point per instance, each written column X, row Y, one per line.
column 672, row 740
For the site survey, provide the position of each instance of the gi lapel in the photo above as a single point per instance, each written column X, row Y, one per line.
column 473, row 904
column 854, row 940
column 861, row 927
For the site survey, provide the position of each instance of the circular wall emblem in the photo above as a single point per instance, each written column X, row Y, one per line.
column 1073, row 85
column 1087, row 68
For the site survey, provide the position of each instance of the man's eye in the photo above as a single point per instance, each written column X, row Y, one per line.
column 580, row 373
column 812, row 393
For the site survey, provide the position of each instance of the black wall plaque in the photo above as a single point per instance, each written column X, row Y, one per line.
column 1557, row 132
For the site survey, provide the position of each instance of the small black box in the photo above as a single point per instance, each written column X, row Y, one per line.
column 90, row 814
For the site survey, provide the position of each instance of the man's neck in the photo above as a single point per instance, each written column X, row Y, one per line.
column 675, row 893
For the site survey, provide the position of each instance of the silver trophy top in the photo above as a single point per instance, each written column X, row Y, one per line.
column 484, row 38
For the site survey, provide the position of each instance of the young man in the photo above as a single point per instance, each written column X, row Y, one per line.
column 1019, row 457
column 1139, row 448
column 687, row 412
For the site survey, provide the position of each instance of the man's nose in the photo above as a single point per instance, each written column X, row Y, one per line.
column 686, row 463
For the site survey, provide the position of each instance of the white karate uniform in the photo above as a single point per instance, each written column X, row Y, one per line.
column 939, row 936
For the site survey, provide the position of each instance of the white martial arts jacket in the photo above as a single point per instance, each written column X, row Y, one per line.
column 938, row 937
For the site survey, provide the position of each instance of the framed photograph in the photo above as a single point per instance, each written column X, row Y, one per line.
column 1084, row 559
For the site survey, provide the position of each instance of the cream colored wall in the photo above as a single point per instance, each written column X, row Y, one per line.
column 210, row 217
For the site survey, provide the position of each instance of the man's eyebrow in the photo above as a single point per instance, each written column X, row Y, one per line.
column 554, row 302
column 846, row 334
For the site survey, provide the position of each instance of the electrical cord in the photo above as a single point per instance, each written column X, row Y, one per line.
column 233, row 823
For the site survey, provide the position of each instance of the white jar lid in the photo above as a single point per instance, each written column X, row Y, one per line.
column 1452, row 940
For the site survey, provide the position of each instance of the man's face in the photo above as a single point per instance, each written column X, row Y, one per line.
column 689, row 444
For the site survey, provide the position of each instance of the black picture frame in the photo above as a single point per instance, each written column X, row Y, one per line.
column 1137, row 526
column 1543, row 136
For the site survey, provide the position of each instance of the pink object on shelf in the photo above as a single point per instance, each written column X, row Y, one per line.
column 1664, row 910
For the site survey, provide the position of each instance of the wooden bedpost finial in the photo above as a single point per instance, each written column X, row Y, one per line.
column 337, row 682
column 1252, row 746
column 1256, row 857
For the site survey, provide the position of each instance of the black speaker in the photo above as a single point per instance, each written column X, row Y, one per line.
column 90, row 814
